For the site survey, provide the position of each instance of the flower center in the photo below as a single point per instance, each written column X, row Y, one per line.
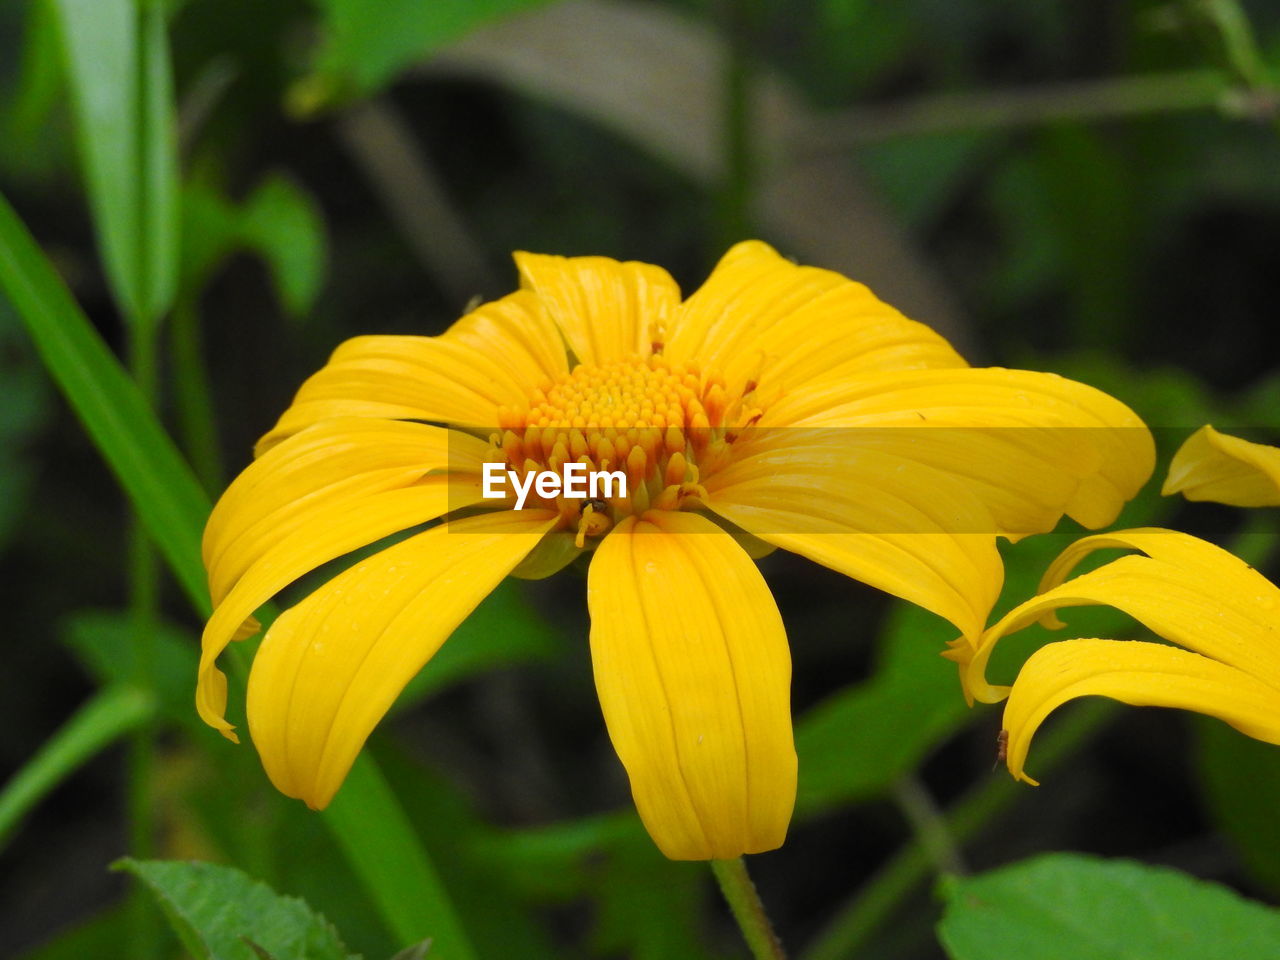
column 666, row 426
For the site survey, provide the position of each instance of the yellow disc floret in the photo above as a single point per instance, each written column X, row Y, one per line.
column 664, row 425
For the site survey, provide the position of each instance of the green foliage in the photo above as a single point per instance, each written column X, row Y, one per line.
column 365, row 45
column 221, row 913
column 159, row 483
column 279, row 222
column 1093, row 909
column 109, row 714
column 1240, row 780
column 118, row 70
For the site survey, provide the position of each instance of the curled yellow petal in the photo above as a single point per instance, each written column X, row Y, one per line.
column 605, row 309
column 693, row 672
column 761, row 317
column 1225, row 469
column 331, row 666
column 1139, row 674
column 1184, row 589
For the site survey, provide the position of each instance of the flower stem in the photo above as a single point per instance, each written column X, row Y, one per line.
column 747, row 909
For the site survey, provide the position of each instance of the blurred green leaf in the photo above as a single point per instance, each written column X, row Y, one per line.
column 99, row 722
column 365, row 44
column 159, row 483
column 172, row 506
column 372, row 828
column 1240, row 779
column 117, row 66
column 24, row 122
column 102, row 640
column 99, row 936
column 1096, row 909
column 279, row 221
column 221, row 913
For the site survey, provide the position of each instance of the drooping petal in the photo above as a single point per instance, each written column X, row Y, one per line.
column 331, row 666
column 327, row 533
column 693, row 671
column 1139, row 674
column 325, row 466
column 1185, row 590
column 605, row 309
column 896, row 524
column 1225, row 469
column 761, row 317
column 1033, row 445
column 491, row 359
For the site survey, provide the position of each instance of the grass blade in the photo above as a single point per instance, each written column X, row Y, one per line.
column 369, row 823
column 110, row 713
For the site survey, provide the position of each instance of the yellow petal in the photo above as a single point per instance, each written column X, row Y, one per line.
column 330, row 667
column 1019, row 436
column 893, row 523
column 327, row 533
column 1139, row 674
column 329, row 464
column 760, row 317
column 1224, row 469
column 1185, row 590
column 459, row 378
column 693, row 671
column 605, row 309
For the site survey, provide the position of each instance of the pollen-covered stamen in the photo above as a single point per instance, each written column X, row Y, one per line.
column 664, row 426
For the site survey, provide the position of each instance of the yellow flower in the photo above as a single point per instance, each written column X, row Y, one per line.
column 734, row 410
column 1225, row 469
column 1192, row 593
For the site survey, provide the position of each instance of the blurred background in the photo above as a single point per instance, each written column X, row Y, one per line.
column 1087, row 187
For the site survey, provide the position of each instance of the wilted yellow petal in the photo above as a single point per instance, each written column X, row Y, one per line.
column 1139, row 674
column 761, row 317
column 895, row 524
column 1224, row 469
column 450, row 379
column 606, row 310
column 1185, row 590
column 330, row 667
column 693, row 671
column 1034, row 445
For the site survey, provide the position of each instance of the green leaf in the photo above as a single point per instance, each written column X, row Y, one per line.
column 1240, row 778
column 221, row 913
column 371, row 826
column 117, row 66
column 366, row 44
column 172, row 507
column 1093, row 909
column 280, row 222
column 159, row 483
column 105, row 717
column 103, row 641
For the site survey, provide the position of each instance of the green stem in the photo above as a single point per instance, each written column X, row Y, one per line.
column 877, row 901
column 929, row 825
column 193, row 394
column 739, row 166
column 747, row 909
column 1089, row 100
column 144, row 600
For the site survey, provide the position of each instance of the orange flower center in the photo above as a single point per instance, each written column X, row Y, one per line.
column 666, row 426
